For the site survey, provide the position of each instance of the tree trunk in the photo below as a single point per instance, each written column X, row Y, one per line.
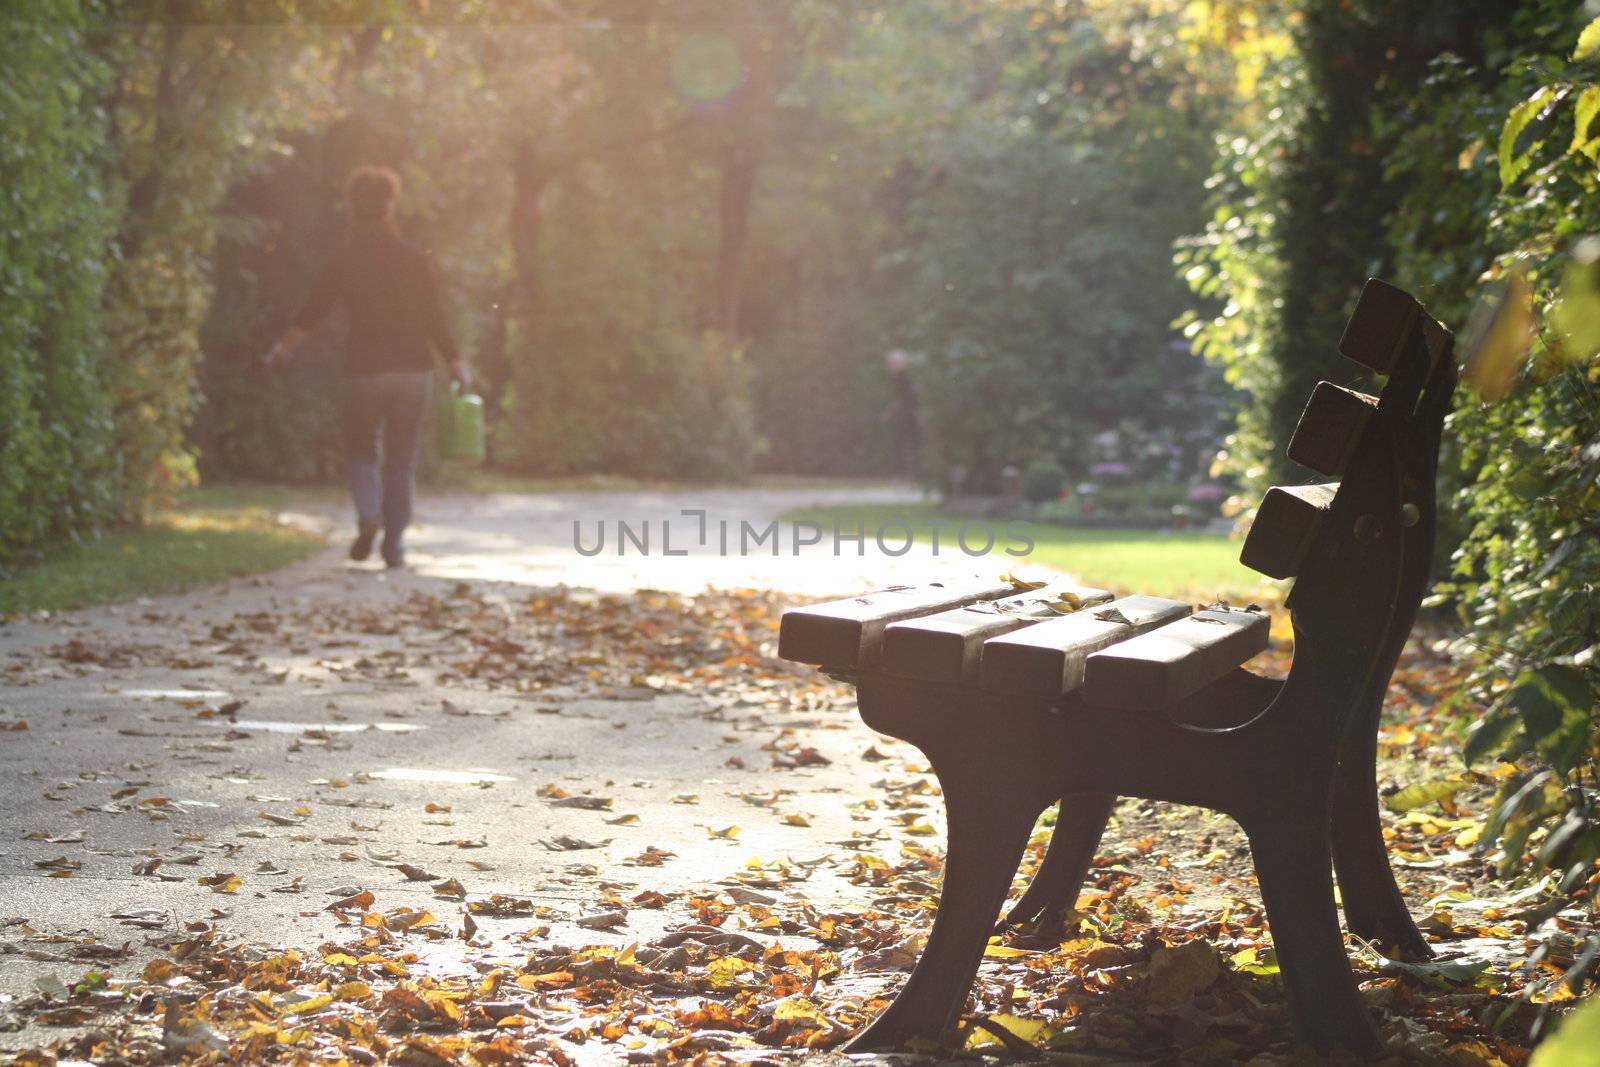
column 748, row 118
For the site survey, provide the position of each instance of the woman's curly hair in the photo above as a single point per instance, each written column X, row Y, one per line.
column 371, row 193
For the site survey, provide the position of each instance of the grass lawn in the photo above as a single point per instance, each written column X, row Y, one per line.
column 210, row 534
column 1199, row 566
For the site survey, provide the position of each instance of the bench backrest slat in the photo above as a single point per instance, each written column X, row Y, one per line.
column 1285, row 528
column 1380, row 328
column 1330, row 428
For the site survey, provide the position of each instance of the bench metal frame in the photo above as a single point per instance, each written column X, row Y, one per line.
column 1292, row 761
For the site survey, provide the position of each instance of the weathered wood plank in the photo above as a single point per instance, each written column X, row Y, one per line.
column 849, row 633
column 1379, row 333
column 947, row 647
column 1047, row 658
column 1159, row 668
column 1330, row 428
column 1285, row 527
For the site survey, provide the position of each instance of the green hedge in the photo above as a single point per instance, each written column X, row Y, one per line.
column 57, row 472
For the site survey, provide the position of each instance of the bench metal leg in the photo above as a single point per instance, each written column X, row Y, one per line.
column 1056, row 885
column 1373, row 906
column 1291, row 858
column 988, row 833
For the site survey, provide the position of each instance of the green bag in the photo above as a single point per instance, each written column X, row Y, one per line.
column 461, row 429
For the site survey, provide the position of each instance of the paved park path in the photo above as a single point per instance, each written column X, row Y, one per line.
column 225, row 763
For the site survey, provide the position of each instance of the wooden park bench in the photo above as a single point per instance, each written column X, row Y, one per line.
column 1018, row 705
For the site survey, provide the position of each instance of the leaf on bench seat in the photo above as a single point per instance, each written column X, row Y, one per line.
column 946, row 647
column 1047, row 659
column 1159, row 668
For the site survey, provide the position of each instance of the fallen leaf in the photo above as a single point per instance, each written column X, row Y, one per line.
column 1178, row 972
column 564, row 843
column 358, row 901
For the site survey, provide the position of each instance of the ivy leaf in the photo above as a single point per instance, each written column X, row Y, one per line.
column 1439, row 972
column 1511, row 164
column 1489, row 734
column 1422, row 794
column 1588, row 41
column 1554, row 703
column 1576, row 315
column 1574, row 1043
column 1584, row 109
column 1497, row 337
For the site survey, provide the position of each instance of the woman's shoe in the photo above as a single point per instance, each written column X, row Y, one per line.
column 361, row 547
column 394, row 557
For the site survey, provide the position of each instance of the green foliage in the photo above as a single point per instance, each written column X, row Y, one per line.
column 1042, row 480
column 1525, row 578
column 56, row 473
column 1235, row 267
column 196, row 98
column 1574, row 1043
column 1303, row 204
column 1144, row 499
column 1026, row 258
column 1482, row 182
column 1513, row 163
column 1004, row 216
column 146, row 117
column 1462, row 155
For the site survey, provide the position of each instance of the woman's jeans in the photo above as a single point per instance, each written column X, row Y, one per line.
column 390, row 407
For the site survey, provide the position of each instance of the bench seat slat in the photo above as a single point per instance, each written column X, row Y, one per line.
column 946, row 647
column 849, row 633
column 1047, row 659
column 1159, row 668
column 1285, row 528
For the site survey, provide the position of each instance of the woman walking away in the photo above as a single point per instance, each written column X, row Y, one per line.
column 387, row 289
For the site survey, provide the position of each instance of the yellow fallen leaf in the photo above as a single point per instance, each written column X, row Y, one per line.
column 799, row 1011
column 1005, row 952
column 544, row 981
column 307, row 1006
column 225, row 882
column 1178, row 972
column 724, row 973
column 158, row 970
column 1028, row 1031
